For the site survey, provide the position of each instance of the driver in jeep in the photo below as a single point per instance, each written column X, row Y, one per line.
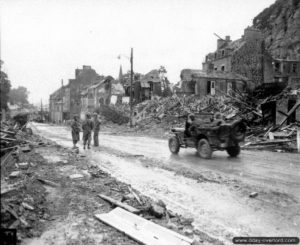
column 189, row 124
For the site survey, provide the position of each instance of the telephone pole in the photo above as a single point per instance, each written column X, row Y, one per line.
column 42, row 110
column 131, row 82
column 62, row 101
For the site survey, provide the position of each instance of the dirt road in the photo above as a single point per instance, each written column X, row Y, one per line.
column 214, row 192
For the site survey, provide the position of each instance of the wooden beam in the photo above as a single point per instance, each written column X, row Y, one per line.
column 285, row 114
column 289, row 113
column 120, row 204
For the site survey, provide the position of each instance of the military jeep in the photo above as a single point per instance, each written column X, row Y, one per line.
column 207, row 137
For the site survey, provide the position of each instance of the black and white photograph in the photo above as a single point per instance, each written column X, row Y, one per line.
column 154, row 122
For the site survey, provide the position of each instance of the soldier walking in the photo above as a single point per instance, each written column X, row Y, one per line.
column 75, row 126
column 87, row 127
column 96, row 129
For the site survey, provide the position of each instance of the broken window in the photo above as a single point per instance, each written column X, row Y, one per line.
column 208, row 87
column 277, row 67
column 212, row 88
column 294, row 68
column 222, row 68
column 223, row 53
column 215, row 55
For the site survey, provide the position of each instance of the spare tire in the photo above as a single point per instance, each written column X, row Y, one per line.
column 238, row 131
column 224, row 132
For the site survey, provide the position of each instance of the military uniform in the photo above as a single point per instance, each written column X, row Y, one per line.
column 96, row 130
column 87, row 127
column 75, row 126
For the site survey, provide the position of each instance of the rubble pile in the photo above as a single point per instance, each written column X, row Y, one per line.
column 279, row 137
column 163, row 109
column 113, row 115
column 162, row 113
column 22, row 198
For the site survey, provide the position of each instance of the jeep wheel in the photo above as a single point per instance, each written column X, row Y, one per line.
column 233, row 151
column 204, row 149
column 174, row 145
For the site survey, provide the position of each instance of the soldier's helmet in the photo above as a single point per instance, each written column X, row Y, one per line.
column 88, row 115
column 191, row 117
column 218, row 115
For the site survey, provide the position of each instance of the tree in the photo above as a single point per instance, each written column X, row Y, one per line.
column 19, row 96
column 4, row 88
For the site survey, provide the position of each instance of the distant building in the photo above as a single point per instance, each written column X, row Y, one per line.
column 59, row 105
column 96, row 95
column 147, row 86
column 66, row 101
column 213, row 82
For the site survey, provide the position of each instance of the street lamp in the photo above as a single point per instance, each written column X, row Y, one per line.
column 131, row 81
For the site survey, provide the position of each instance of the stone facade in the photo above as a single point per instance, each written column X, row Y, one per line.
column 67, row 98
column 96, row 95
column 280, row 25
column 246, row 56
column 214, row 82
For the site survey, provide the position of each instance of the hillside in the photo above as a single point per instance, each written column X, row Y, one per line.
column 280, row 24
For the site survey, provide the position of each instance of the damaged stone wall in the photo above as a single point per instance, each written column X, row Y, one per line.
column 248, row 61
column 280, row 24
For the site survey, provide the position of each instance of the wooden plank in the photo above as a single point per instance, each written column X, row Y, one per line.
column 271, row 142
column 142, row 230
column 285, row 114
column 135, row 195
column 48, row 182
column 289, row 113
column 120, row 204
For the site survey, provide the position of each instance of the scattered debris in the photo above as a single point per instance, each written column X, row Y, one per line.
column 27, row 206
column 76, row 176
column 15, row 174
column 23, row 165
column 48, row 182
column 135, row 195
column 157, row 210
column 253, row 194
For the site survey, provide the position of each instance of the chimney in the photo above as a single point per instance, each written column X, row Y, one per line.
column 220, row 42
column 77, row 71
column 227, row 38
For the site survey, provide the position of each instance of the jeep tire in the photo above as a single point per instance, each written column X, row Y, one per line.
column 174, row 145
column 204, row 149
column 233, row 151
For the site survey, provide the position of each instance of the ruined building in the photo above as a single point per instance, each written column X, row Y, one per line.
column 66, row 101
column 249, row 57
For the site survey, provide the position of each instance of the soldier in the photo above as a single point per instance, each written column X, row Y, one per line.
column 87, row 127
column 189, row 124
column 96, row 129
column 75, row 125
column 218, row 119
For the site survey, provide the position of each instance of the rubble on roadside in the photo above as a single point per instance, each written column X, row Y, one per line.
column 159, row 115
column 22, row 197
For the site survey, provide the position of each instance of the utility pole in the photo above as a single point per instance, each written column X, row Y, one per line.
column 131, row 82
column 41, row 109
column 62, row 101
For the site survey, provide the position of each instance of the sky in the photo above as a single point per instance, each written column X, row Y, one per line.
column 44, row 41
